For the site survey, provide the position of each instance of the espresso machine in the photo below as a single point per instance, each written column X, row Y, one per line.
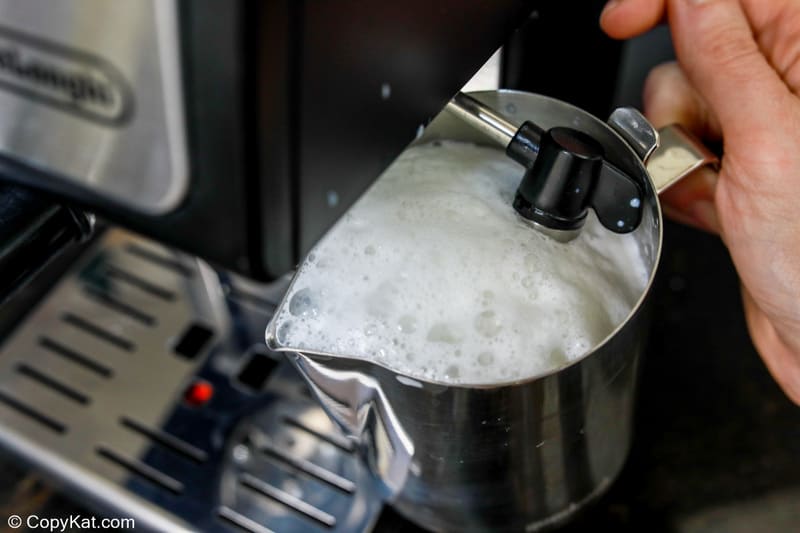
column 164, row 165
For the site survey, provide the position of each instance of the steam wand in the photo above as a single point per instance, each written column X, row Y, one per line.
column 565, row 173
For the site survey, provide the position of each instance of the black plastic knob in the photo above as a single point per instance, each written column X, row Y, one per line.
column 566, row 174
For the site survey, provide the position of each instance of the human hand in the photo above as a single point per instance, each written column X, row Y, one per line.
column 738, row 80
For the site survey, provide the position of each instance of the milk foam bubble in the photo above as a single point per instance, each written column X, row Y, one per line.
column 433, row 274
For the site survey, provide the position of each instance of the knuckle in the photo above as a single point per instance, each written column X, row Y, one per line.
column 732, row 55
column 662, row 73
column 666, row 77
column 724, row 36
column 668, row 97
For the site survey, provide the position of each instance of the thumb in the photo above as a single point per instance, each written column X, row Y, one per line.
column 715, row 46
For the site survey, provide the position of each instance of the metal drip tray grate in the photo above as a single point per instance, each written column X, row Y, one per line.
column 142, row 383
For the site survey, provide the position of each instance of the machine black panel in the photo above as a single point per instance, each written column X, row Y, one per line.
column 372, row 74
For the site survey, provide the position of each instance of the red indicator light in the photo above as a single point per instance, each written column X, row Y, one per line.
column 198, row 393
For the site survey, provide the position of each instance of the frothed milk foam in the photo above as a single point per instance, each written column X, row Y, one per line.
column 432, row 273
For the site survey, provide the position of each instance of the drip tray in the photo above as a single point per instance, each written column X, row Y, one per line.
column 141, row 384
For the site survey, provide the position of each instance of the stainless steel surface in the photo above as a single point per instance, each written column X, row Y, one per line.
column 519, row 455
column 91, row 91
column 560, row 235
column 636, row 130
column 484, row 119
column 92, row 386
column 388, row 448
column 85, row 221
column 678, row 154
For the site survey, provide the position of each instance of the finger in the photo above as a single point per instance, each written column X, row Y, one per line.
column 623, row 19
column 716, row 48
column 669, row 98
column 691, row 200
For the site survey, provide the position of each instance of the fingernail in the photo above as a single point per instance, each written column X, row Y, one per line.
column 610, row 5
column 706, row 214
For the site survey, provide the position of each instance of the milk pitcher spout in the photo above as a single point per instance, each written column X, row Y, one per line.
column 358, row 405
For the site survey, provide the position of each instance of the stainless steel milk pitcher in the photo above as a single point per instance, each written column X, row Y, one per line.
column 521, row 455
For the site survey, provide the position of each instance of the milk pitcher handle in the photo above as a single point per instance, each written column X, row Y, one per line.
column 358, row 405
column 669, row 153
